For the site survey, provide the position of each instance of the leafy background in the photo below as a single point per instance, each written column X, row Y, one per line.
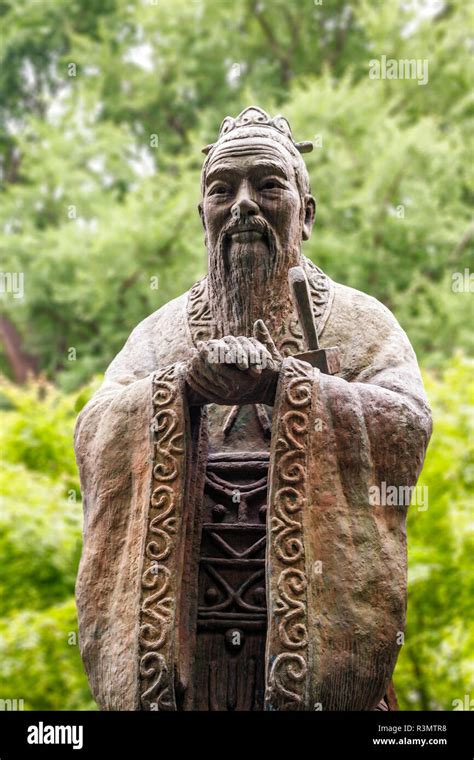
column 104, row 109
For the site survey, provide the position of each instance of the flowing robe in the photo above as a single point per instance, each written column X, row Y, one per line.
column 335, row 559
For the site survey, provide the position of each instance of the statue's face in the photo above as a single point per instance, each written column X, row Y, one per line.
column 250, row 196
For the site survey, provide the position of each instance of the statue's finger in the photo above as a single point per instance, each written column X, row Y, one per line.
column 252, row 362
column 262, row 334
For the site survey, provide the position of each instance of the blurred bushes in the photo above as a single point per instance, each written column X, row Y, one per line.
column 40, row 547
column 40, row 661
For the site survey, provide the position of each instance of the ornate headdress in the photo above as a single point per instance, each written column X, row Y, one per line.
column 257, row 117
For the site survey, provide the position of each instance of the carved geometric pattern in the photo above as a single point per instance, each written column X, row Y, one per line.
column 231, row 585
column 232, row 560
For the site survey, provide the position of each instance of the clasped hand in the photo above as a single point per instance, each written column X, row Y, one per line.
column 235, row 369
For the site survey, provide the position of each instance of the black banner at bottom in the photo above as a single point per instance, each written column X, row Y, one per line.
column 97, row 734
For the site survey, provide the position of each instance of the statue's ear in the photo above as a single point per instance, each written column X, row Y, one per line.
column 309, row 214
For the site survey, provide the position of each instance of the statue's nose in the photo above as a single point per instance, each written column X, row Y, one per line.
column 244, row 205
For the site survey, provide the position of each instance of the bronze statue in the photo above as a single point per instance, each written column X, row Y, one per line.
column 233, row 558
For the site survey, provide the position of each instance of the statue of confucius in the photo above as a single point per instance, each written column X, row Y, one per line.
column 234, row 556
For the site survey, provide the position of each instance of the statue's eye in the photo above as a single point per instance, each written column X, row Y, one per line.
column 270, row 184
column 219, row 190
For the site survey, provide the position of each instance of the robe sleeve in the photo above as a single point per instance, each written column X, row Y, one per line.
column 337, row 557
column 134, row 443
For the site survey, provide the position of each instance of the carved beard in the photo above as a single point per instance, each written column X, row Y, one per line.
column 249, row 281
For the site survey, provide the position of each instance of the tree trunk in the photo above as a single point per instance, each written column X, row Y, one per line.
column 22, row 365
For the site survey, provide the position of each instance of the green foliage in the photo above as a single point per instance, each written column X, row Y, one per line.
column 40, row 539
column 37, row 431
column 106, row 108
column 40, row 661
column 40, row 517
column 40, row 546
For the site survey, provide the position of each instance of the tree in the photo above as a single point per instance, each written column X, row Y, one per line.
column 106, row 109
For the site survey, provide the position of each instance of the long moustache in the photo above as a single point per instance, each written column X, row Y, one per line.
column 255, row 223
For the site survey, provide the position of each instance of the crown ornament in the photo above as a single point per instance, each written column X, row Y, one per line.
column 253, row 116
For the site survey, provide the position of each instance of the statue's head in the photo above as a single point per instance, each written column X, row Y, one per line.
column 256, row 209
